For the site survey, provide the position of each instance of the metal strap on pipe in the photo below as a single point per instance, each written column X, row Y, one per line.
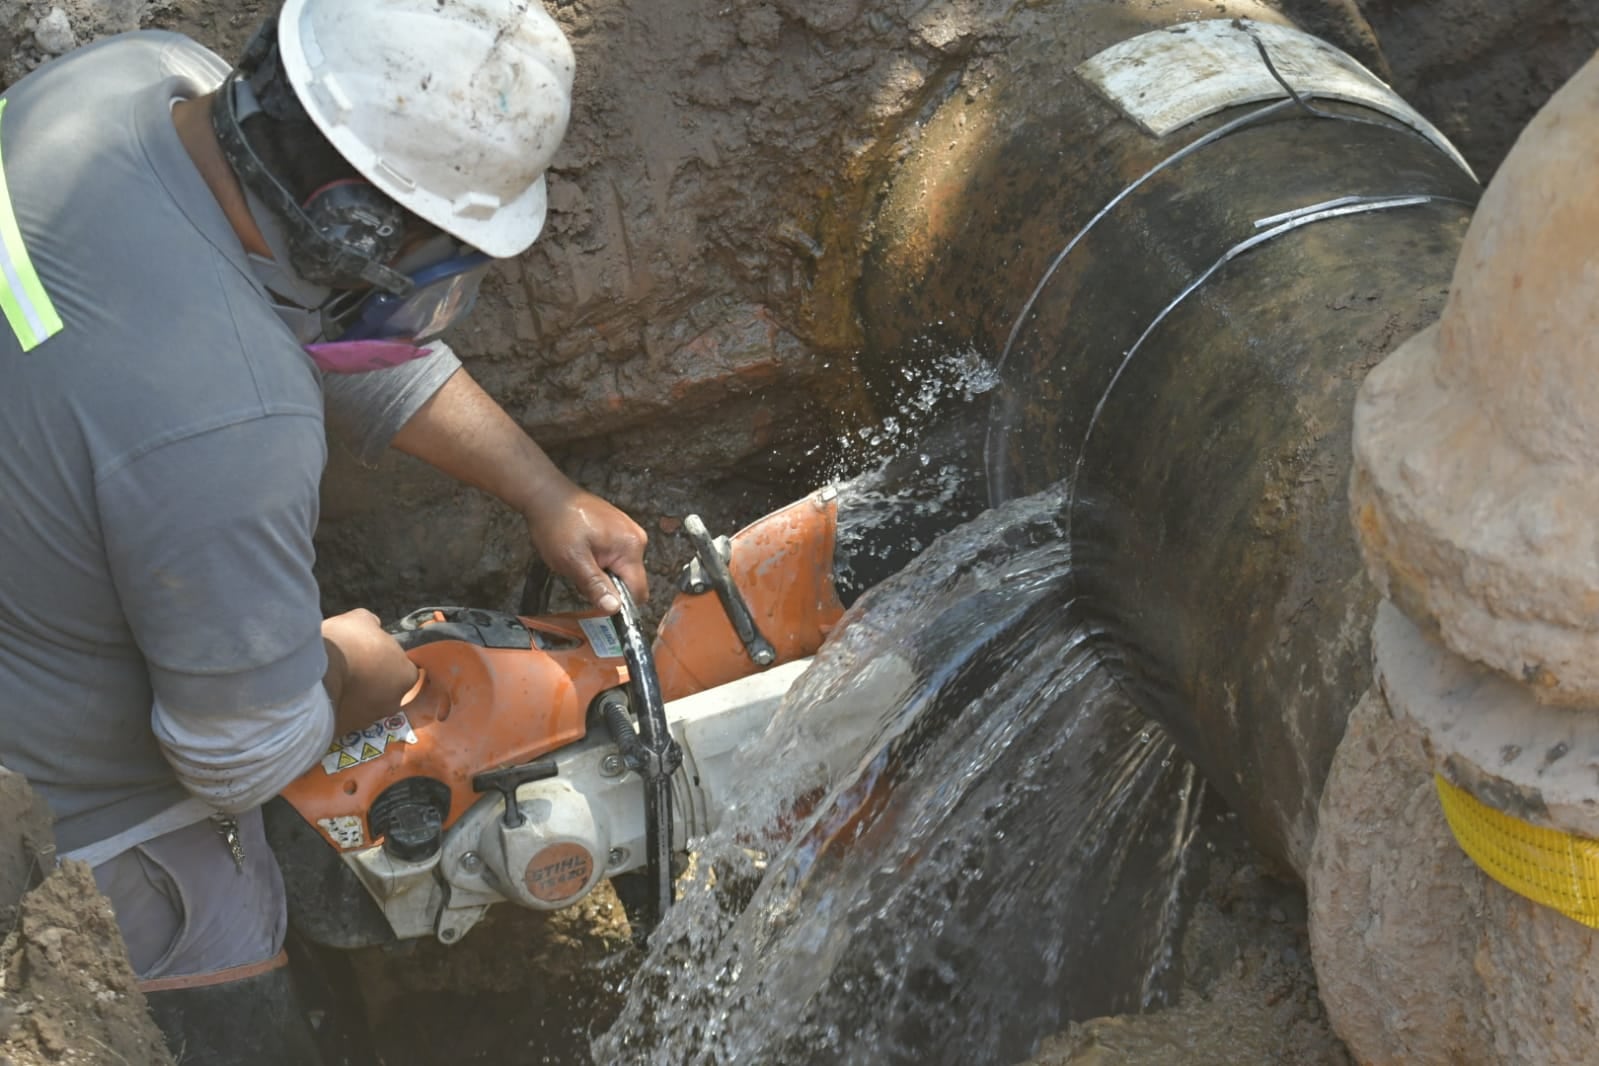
column 1280, row 224
column 1297, row 100
column 1189, row 149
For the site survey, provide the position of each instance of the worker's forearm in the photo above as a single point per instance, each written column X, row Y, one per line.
column 368, row 673
column 464, row 433
column 584, row 539
column 334, row 680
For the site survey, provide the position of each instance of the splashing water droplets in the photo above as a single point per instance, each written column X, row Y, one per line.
column 935, row 381
column 970, row 837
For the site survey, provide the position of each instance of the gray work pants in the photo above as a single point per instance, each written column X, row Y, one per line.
column 187, row 910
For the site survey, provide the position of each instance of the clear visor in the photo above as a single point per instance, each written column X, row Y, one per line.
column 442, row 294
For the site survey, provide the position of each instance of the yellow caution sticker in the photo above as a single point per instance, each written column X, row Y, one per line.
column 364, row 745
column 1555, row 869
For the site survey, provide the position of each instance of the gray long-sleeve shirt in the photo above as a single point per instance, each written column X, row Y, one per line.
column 159, row 456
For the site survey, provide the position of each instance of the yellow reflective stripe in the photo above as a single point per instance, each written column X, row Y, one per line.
column 24, row 302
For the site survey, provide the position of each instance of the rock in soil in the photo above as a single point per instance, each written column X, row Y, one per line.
column 67, row 993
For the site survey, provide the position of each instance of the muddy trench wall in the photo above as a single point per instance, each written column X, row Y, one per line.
column 682, row 336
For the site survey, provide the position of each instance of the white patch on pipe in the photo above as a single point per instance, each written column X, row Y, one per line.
column 1166, row 79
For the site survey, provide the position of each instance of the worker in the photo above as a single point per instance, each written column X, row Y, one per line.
column 198, row 268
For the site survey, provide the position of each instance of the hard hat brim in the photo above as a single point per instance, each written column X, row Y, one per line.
column 503, row 230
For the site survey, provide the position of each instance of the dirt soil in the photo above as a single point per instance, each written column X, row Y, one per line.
column 682, row 336
column 67, row 993
column 1248, row 992
column 521, row 987
column 682, row 340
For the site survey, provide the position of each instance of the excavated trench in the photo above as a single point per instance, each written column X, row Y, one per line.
column 685, row 340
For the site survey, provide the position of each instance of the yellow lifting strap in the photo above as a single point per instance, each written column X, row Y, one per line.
column 1558, row 870
column 26, row 305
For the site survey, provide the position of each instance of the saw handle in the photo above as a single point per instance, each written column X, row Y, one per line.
column 507, row 779
column 662, row 754
column 713, row 571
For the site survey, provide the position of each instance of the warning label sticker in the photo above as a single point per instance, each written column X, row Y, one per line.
column 364, row 745
column 602, row 637
column 345, row 829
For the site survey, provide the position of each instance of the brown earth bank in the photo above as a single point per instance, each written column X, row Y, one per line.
column 1247, row 994
column 682, row 339
column 682, row 336
column 67, row 993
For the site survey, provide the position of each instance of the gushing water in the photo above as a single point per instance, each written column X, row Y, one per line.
column 933, row 382
column 960, row 837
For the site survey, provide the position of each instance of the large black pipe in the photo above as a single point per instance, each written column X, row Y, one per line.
column 1197, row 387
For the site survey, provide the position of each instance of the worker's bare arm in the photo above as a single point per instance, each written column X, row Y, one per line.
column 463, row 432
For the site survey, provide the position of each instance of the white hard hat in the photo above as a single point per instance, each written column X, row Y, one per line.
column 453, row 108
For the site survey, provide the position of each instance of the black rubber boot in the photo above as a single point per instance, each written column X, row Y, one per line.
column 257, row 1021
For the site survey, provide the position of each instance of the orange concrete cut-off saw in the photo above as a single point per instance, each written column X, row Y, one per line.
column 513, row 771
